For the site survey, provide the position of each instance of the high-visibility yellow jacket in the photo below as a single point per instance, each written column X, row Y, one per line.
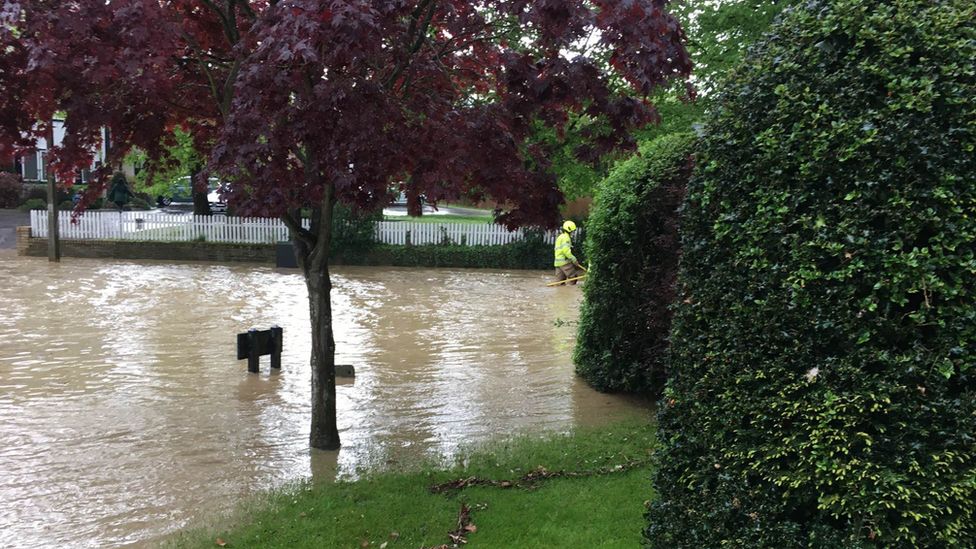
column 564, row 250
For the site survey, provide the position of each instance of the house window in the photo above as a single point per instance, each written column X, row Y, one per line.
column 30, row 167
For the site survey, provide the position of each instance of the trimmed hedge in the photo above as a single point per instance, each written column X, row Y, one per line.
column 633, row 245
column 530, row 253
column 33, row 204
column 353, row 244
column 821, row 391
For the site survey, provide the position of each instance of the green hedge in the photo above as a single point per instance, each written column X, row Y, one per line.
column 530, row 253
column 632, row 243
column 821, row 391
column 33, row 204
column 353, row 230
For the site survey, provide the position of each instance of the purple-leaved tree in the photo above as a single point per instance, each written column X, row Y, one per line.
column 306, row 103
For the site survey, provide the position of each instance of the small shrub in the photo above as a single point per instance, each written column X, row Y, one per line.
column 633, row 246
column 66, row 206
column 353, row 230
column 138, row 204
column 822, row 391
column 11, row 190
column 39, row 191
column 35, row 191
column 33, row 204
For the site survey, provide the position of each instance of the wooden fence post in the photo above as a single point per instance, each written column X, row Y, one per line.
column 277, row 336
column 253, row 358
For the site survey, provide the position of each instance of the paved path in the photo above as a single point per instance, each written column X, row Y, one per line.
column 9, row 221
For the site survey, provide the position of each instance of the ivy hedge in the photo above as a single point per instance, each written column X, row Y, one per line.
column 821, row 391
column 633, row 248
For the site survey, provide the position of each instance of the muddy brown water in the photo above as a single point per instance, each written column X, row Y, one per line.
column 126, row 416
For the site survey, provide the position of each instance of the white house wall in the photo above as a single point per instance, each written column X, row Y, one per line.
column 41, row 149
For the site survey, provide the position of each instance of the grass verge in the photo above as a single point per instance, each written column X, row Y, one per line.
column 583, row 489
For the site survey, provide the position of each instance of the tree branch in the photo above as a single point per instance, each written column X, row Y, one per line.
column 191, row 42
column 247, row 9
column 229, row 24
column 411, row 31
column 225, row 103
column 298, row 232
column 422, row 34
column 216, row 9
column 323, row 236
column 233, row 34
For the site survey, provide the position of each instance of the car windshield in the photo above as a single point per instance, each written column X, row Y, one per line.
column 183, row 186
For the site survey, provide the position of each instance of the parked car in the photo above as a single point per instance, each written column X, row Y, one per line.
column 217, row 204
column 182, row 194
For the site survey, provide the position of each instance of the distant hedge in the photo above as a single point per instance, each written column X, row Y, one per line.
column 32, row 204
column 353, row 230
column 633, row 248
column 530, row 253
column 821, row 391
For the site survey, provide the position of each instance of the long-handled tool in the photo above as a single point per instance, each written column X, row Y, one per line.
column 566, row 280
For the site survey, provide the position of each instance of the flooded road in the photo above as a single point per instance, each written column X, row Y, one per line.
column 125, row 414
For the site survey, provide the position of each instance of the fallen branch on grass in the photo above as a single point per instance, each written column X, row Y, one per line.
column 533, row 478
column 459, row 536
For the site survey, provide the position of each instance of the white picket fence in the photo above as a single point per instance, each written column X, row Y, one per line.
column 398, row 232
column 166, row 227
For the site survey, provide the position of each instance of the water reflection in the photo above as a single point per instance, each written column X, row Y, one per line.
column 126, row 414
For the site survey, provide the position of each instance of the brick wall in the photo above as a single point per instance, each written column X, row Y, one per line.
column 23, row 240
column 173, row 251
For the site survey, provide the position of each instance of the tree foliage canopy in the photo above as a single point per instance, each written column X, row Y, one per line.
column 719, row 33
column 294, row 96
column 821, row 391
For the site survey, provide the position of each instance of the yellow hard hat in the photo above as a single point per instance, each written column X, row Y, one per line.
column 569, row 226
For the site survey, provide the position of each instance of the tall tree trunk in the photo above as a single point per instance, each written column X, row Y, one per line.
column 312, row 251
column 324, row 432
column 415, row 206
column 201, row 205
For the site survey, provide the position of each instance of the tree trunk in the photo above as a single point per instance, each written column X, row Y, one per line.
column 324, row 432
column 201, row 205
column 415, row 206
column 312, row 252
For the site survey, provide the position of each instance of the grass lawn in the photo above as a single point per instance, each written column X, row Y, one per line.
column 584, row 489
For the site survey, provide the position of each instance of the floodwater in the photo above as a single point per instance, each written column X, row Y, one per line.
column 126, row 416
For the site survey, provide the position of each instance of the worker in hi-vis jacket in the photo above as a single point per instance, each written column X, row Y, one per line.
column 567, row 267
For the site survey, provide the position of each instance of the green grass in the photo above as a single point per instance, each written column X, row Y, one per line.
column 450, row 218
column 600, row 502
